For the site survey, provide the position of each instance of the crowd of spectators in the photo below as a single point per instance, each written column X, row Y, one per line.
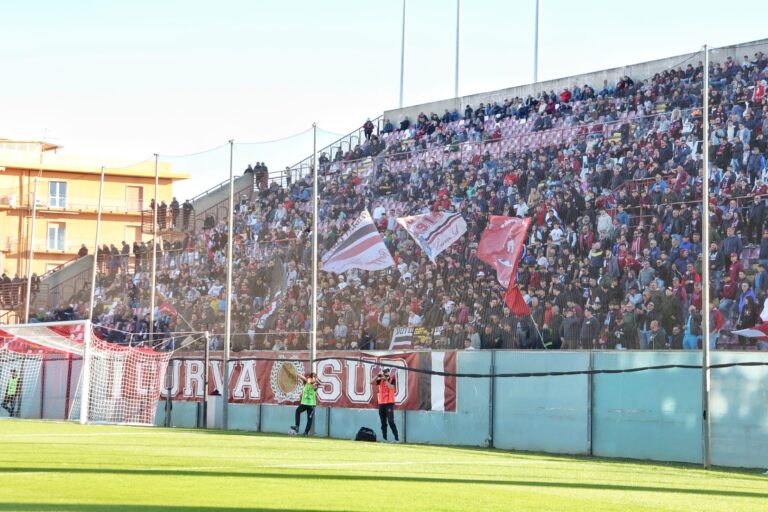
column 610, row 175
column 13, row 290
column 614, row 255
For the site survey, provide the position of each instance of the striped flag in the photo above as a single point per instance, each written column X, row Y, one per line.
column 361, row 247
column 402, row 338
column 264, row 314
column 434, row 232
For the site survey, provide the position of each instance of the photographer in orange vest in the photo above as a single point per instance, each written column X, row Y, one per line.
column 385, row 382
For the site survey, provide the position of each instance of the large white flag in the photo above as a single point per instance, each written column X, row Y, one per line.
column 757, row 331
column 361, row 247
column 434, row 232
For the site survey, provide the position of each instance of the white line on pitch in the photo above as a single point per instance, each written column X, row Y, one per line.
column 353, row 464
column 100, row 434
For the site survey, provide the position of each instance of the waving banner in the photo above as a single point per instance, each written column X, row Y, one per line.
column 501, row 244
column 361, row 247
column 434, row 232
column 268, row 378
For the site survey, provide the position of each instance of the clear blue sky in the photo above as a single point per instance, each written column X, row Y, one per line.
column 125, row 79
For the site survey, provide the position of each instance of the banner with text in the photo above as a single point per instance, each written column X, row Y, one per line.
column 343, row 383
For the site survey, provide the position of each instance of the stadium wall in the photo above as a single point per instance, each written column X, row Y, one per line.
column 64, row 283
column 595, row 79
column 647, row 415
column 215, row 201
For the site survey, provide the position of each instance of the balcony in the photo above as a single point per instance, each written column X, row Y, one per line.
column 12, row 199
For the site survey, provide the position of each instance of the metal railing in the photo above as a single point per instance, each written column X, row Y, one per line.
column 307, row 164
column 166, row 223
column 43, row 295
column 52, row 271
column 14, row 199
column 272, row 176
column 219, row 210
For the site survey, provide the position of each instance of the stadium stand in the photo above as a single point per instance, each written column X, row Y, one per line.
column 610, row 174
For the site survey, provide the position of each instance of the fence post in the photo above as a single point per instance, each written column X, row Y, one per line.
column 491, row 398
column 169, row 388
column 43, row 365
column 590, row 387
column 405, row 426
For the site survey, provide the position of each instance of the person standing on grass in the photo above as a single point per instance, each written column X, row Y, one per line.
column 386, row 398
column 308, row 403
column 11, row 393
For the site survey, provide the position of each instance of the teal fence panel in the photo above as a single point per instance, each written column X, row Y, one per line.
column 542, row 413
column 654, row 415
column 279, row 419
column 739, row 411
column 346, row 422
column 183, row 414
column 243, row 417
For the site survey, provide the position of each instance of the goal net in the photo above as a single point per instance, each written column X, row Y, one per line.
column 116, row 383
column 19, row 371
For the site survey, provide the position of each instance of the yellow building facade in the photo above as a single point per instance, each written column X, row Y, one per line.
column 66, row 191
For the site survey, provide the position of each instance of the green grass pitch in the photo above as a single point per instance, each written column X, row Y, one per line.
column 63, row 466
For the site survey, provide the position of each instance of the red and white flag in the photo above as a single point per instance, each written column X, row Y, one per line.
column 264, row 314
column 361, row 247
column 402, row 338
column 435, row 231
column 501, row 245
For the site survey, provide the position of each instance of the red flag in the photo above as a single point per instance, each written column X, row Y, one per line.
column 516, row 302
column 501, row 244
column 167, row 308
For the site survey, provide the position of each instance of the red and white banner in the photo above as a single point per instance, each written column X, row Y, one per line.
column 361, row 247
column 67, row 339
column 343, row 383
column 501, row 245
column 265, row 313
column 434, row 232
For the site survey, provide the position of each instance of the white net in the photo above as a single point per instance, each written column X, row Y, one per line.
column 122, row 383
column 19, row 374
column 125, row 384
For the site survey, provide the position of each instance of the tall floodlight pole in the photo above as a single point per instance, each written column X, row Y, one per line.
column 402, row 56
column 96, row 251
column 705, row 374
column 315, row 222
column 536, row 45
column 31, row 251
column 154, row 258
column 456, row 71
column 228, row 312
column 28, row 294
